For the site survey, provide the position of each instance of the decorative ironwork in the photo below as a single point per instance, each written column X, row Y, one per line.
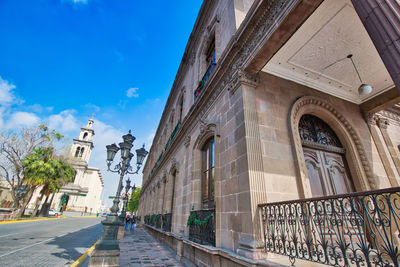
column 167, row 222
column 157, row 221
column 357, row 229
column 203, row 233
column 313, row 129
column 204, row 79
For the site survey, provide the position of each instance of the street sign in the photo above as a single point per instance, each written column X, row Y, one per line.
column 111, row 197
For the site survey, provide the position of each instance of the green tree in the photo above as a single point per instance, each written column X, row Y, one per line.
column 14, row 147
column 44, row 168
column 133, row 204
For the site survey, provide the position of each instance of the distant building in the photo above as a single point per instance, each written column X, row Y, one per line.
column 269, row 149
column 84, row 193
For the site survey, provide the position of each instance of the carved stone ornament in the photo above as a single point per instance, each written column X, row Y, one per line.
column 243, row 77
column 383, row 123
column 174, row 165
column 372, row 119
column 186, row 142
column 207, row 126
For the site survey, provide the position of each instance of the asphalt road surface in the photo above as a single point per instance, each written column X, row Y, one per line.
column 47, row 243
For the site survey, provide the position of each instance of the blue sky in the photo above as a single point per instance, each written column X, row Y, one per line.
column 62, row 60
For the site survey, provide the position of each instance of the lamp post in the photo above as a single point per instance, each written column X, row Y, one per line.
column 126, row 197
column 107, row 250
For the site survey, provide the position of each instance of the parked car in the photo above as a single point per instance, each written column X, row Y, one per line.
column 54, row 213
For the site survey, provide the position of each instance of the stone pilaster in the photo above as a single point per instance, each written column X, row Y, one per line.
column 163, row 184
column 381, row 19
column 373, row 121
column 383, row 124
column 250, row 242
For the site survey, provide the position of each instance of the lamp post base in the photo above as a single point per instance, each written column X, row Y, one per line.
column 106, row 252
column 109, row 258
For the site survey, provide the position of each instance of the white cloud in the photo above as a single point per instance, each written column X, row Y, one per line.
column 150, row 138
column 92, row 107
column 132, row 92
column 63, row 122
column 7, row 97
column 22, row 119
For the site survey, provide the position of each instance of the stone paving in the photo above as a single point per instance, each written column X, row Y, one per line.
column 139, row 248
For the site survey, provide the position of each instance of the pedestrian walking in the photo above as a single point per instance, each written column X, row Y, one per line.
column 127, row 221
column 133, row 221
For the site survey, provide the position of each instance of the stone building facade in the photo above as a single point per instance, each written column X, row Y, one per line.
column 267, row 106
column 84, row 193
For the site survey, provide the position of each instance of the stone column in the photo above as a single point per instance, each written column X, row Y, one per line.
column 383, row 124
column 381, row 19
column 253, row 189
column 372, row 123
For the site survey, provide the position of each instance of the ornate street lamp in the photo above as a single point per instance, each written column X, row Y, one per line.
column 126, row 197
column 108, row 247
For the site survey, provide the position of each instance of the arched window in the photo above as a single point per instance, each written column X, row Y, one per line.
column 77, row 151
column 208, row 174
column 85, row 135
column 81, row 154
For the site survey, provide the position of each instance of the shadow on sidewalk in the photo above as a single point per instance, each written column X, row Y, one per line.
column 71, row 246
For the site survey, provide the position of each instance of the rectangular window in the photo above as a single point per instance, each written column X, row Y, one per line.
column 208, row 174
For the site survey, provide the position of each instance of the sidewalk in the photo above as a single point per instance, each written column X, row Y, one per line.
column 139, row 248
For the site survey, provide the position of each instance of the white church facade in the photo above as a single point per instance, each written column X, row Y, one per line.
column 84, row 193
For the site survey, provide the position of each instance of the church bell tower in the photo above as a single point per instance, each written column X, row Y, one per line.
column 83, row 144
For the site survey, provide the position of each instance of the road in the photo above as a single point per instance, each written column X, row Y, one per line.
column 47, row 243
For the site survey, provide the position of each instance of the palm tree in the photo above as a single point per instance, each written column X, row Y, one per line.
column 64, row 174
column 42, row 168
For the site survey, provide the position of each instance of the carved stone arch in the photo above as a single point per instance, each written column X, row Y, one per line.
column 360, row 169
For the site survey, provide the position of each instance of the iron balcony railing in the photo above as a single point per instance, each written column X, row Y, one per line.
column 203, row 81
column 157, row 221
column 167, row 222
column 202, row 227
column 357, row 229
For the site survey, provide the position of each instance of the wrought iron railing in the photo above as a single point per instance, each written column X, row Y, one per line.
column 358, row 229
column 167, row 222
column 157, row 221
column 202, row 227
column 204, row 79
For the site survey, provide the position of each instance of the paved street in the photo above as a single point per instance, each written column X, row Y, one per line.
column 47, row 243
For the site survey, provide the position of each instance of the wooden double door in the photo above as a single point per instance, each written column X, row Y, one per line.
column 328, row 172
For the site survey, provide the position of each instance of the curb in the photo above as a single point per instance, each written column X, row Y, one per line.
column 83, row 216
column 81, row 258
column 33, row 220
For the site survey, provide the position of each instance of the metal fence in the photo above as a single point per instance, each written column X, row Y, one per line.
column 167, row 222
column 202, row 227
column 358, row 229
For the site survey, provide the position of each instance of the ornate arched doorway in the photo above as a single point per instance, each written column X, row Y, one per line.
column 324, row 157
